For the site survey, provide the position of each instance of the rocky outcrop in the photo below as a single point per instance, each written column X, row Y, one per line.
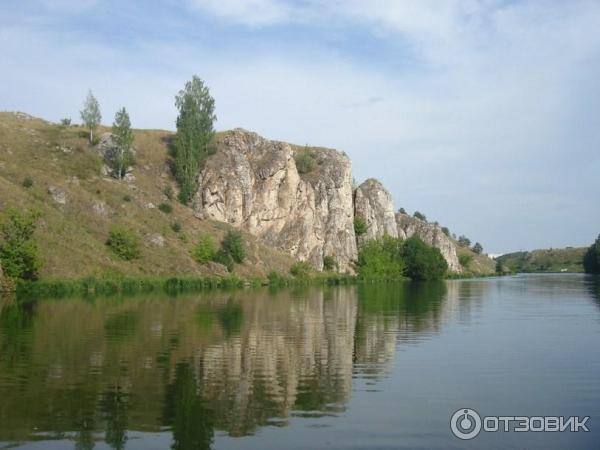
column 253, row 183
column 431, row 234
column 374, row 204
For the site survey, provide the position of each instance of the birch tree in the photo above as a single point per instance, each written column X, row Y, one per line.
column 123, row 139
column 90, row 115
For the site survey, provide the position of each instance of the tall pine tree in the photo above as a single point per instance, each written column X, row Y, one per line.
column 194, row 133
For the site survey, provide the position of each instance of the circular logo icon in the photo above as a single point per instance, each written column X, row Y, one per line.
column 465, row 423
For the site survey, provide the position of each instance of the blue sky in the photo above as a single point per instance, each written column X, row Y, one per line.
column 483, row 114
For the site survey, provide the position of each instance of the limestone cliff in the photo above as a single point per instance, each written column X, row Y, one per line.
column 253, row 183
column 375, row 205
column 431, row 234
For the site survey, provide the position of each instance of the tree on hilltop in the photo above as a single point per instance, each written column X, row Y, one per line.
column 90, row 114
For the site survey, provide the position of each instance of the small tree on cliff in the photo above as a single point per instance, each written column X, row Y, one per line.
column 194, row 133
column 91, row 114
column 477, row 248
column 123, row 137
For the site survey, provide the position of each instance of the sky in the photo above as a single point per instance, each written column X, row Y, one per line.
column 482, row 114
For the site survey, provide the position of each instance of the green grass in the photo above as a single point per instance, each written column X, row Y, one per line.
column 552, row 260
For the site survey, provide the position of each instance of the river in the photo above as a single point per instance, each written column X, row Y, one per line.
column 379, row 366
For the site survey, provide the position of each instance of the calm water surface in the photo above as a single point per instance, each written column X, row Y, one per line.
column 380, row 366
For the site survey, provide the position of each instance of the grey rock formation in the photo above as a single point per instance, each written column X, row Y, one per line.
column 253, row 183
column 58, row 195
column 374, row 204
column 430, row 234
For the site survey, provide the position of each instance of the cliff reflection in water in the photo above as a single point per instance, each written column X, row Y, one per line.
column 90, row 370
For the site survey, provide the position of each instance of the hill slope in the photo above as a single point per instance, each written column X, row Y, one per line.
column 79, row 203
column 568, row 259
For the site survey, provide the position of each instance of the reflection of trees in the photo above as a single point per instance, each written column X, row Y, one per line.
column 186, row 411
column 114, row 406
column 216, row 361
column 389, row 313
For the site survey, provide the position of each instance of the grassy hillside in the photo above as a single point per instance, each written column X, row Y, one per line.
column 478, row 264
column 72, row 235
column 568, row 259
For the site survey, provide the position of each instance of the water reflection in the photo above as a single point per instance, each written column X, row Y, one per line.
column 97, row 369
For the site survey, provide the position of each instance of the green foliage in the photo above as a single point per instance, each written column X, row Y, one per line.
column 18, row 251
column 233, row 245
column 176, row 227
column 329, row 263
column 127, row 198
column 422, row 261
column 90, row 114
column 402, row 211
column 360, row 226
column 123, row 139
column 420, row 216
column 381, row 259
column 194, row 133
column 446, row 231
column 465, row 260
column 499, row 268
column 65, row 122
column 205, row 250
column 301, row 269
column 274, row 278
column 464, row 241
column 222, row 257
column 166, row 208
column 27, row 183
column 124, row 243
column 591, row 259
column 305, row 161
column 477, row 248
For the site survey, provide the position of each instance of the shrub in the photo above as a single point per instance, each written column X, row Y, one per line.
column 464, row 241
column 166, row 208
column 301, row 269
column 205, row 250
column 18, row 251
column 168, row 192
column 305, row 161
column 27, row 183
column 465, row 260
column 499, row 267
column 274, row 278
column 422, row 261
column 222, row 257
column 446, row 231
column 591, row 259
column 124, row 243
column 381, row 258
column 477, row 248
column 329, row 263
column 233, row 245
column 65, row 122
column 360, row 226
column 420, row 216
column 176, row 227
column 402, row 211
column 126, row 198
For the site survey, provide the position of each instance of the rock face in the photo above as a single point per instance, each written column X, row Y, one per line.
column 253, row 183
column 374, row 204
column 430, row 234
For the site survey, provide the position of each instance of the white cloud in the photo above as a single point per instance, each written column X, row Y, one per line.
column 490, row 131
column 253, row 13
